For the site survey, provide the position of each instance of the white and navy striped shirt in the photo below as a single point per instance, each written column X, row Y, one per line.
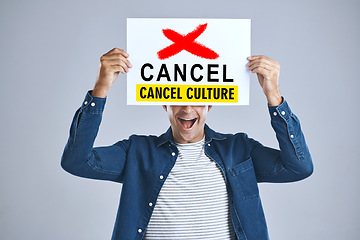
column 193, row 202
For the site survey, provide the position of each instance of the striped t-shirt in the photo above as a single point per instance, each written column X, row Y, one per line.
column 193, row 202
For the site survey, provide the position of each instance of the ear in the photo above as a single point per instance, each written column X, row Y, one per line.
column 165, row 107
column 209, row 107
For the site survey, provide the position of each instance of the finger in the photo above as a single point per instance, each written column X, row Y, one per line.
column 118, row 68
column 117, row 50
column 113, row 56
column 113, row 69
column 116, row 57
column 124, row 66
column 118, row 63
column 127, row 62
column 262, row 65
column 253, row 57
column 262, row 71
column 266, row 60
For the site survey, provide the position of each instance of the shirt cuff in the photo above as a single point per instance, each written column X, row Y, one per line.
column 281, row 111
column 93, row 105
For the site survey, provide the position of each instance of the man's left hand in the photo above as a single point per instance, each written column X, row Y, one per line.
column 267, row 71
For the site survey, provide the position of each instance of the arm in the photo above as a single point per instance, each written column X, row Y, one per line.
column 293, row 162
column 79, row 156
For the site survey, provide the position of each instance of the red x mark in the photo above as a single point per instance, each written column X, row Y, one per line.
column 186, row 42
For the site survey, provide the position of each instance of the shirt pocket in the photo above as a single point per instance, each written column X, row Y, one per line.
column 244, row 176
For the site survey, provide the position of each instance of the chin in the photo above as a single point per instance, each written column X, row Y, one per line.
column 187, row 138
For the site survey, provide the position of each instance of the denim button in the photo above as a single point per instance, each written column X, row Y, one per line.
column 86, row 102
column 209, row 144
column 161, row 177
column 292, row 136
column 150, row 204
column 283, row 113
column 275, row 113
column 139, row 230
column 173, row 153
column 92, row 104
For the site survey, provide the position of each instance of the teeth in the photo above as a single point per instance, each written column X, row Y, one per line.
column 187, row 119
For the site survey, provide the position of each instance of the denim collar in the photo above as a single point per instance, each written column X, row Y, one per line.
column 209, row 136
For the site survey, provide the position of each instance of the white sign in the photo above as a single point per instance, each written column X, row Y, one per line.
column 188, row 61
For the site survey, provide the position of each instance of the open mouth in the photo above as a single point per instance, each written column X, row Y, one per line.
column 187, row 123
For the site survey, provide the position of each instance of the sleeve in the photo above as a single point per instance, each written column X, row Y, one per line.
column 80, row 158
column 293, row 161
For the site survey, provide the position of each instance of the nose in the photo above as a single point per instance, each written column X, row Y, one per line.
column 187, row 109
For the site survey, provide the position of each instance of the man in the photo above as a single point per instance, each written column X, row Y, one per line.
column 191, row 182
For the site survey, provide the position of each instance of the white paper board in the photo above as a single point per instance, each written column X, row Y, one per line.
column 188, row 61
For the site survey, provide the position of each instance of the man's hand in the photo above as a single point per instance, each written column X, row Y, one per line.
column 111, row 64
column 267, row 71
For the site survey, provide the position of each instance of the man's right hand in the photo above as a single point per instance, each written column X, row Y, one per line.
column 111, row 64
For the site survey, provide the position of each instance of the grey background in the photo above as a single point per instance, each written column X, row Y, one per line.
column 50, row 56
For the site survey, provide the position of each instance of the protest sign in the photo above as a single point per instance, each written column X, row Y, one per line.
column 188, row 61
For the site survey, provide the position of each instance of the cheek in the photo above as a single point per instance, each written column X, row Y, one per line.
column 204, row 114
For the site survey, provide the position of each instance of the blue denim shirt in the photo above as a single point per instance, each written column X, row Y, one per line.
column 142, row 164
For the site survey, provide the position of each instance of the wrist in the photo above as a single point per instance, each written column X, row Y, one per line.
column 274, row 99
column 99, row 91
